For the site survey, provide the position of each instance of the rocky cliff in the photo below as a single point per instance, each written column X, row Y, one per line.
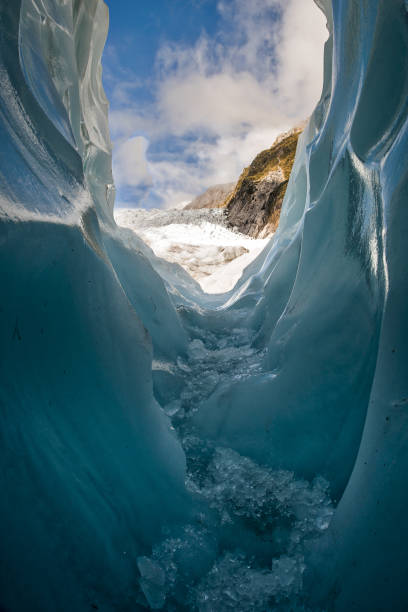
column 253, row 208
column 253, row 204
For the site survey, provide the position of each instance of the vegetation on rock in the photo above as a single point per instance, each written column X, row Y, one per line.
column 254, row 206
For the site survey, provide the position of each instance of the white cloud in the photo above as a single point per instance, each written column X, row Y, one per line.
column 300, row 55
column 127, row 121
column 130, row 165
column 226, row 98
column 223, row 103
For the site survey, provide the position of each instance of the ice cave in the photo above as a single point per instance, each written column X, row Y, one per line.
column 164, row 448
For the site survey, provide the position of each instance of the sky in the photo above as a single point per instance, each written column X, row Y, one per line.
column 198, row 87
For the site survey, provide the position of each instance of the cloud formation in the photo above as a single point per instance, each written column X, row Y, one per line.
column 130, row 164
column 214, row 105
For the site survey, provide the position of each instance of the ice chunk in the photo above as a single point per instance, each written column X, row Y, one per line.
column 233, row 584
column 197, row 350
column 152, row 581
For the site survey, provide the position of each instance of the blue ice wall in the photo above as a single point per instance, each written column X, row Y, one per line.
column 328, row 299
column 317, row 295
column 299, row 372
column 90, row 469
column 362, row 563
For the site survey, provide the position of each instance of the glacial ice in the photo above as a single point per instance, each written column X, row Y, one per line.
column 165, row 448
column 198, row 240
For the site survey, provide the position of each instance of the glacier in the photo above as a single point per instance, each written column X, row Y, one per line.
column 164, row 448
column 198, row 240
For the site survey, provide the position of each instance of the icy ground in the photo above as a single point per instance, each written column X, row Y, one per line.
column 198, row 240
column 247, row 553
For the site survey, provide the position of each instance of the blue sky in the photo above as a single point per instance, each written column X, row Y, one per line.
column 198, row 87
column 138, row 28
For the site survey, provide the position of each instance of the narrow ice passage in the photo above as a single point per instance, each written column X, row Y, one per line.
column 246, row 551
column 163, row 448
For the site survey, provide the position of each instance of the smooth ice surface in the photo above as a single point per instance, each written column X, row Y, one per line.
column 165, row 448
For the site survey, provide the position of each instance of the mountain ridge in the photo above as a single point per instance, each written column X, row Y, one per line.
column 253, row 204
column 213, row 197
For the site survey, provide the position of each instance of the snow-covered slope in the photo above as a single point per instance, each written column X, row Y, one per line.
column 198, row 240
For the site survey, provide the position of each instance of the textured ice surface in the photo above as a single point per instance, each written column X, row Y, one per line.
column 245, row 549
column 198, row 240
column 249, row 553
column 167, row 449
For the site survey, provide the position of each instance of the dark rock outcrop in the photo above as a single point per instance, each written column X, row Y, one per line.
column 254, row 206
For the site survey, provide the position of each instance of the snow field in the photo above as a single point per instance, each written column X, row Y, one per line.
column 197, row 240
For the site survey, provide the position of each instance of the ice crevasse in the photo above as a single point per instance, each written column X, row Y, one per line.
column 166, row 449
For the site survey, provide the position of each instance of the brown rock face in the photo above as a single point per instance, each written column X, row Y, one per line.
column 214, row 197
column 254, row 206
